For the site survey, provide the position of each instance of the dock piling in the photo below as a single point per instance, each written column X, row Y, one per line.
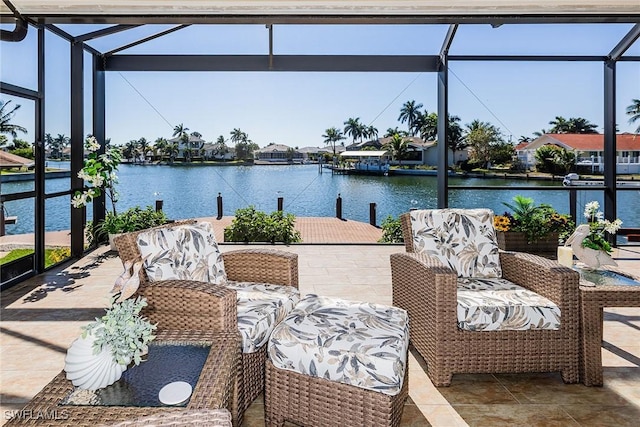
column 219, row 206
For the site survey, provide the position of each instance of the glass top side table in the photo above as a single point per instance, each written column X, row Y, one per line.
column 599, row 289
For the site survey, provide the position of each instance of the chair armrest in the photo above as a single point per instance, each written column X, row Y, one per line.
column 543, row 276
column 426, row 288
column 190, row 305
column 262, row 266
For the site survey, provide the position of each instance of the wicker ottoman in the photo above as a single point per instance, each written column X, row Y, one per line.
column 336, row 362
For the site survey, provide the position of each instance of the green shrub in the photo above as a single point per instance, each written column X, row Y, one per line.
column 132, row 219
column 251, row 225
column 391, row 230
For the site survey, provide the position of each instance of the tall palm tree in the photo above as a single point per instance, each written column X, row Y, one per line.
column 354, row 128
column 331, row 137
column 60, row 143
column 398, row 146
column 238, row 136
column 172, row 150
column 409, row 113
column 159, row 146
column 572, row 125
column 633, row 110
column 180, row 129
column 131, row 150
column 392, row 131
column 5, row 120
column 143, row 145
column 371, row 132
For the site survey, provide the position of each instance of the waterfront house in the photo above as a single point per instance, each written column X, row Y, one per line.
column 218, row 151
column 419, row 152
column 277, row 154
column 194, row 145
column 589, row 150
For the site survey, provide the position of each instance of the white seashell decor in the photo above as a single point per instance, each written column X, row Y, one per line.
column 91, row 371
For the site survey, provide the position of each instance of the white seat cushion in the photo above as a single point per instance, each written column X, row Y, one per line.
column 463, row 239
column 356, row 343
column 500, row 305
column 261, row 307
column 183, row 252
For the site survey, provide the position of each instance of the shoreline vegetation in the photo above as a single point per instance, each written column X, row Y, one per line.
column 493, row 173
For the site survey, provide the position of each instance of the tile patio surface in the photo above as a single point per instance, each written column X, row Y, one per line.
column 42, row 316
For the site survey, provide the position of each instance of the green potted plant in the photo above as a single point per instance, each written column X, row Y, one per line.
column 531, row 228
column 133, row 219
column 108, row 345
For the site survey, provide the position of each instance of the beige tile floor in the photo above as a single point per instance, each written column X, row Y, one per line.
column 41, row 317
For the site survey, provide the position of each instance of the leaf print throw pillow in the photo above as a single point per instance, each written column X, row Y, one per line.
column 183, row 252
column 463, row 239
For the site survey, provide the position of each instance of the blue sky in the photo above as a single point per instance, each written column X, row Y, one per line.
column 296, row 108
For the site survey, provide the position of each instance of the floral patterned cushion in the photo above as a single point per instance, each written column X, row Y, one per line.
column 261, row 307
column 500, row 305
column 356, row 343
column 185, row 252
column 463, row 239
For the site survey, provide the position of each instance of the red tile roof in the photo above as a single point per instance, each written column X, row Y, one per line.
column 595, row 141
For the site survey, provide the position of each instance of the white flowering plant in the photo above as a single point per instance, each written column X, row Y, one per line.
column 597, row 228
column 100, row 171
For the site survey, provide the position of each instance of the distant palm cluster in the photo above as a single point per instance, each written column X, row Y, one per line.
column 485, row 141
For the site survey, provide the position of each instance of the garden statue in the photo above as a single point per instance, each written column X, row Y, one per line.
column 593, row 258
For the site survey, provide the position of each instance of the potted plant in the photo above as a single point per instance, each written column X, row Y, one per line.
column 133, row 219
column 531, row 228
column 107, row 346
column 589, row 241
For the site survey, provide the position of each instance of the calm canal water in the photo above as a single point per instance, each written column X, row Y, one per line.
column 191, row 191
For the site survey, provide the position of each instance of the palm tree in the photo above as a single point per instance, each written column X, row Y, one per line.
column 409, row 113
column 392, row 131
column 159, row 146
column 5, row 120
column 354, row 128
column 220, row 147
column 60, row 143
column 633, row 110
column 180, row 129
column 397, row 145
column 331, row 137
column 371, row 132
column 143, row 144
column 131, row 150
column 572, row 125
column 172, row 150
column 238, row 136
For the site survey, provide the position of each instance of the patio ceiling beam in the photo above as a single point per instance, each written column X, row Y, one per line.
column 59, row 32
column 104, row 32
column 448, row 39
column 19, row 91
column 625, row 43
column 317, row 63
column 146, row 39
column 542, row 58
column 605, row 18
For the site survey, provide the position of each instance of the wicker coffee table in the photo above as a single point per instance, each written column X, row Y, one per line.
column 617, row 291
column 217, row 387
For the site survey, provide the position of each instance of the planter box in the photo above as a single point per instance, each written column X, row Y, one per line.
column 517, row 242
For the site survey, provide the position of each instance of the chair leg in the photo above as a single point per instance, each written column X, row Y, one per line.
column 440, row 379
column 570, row 375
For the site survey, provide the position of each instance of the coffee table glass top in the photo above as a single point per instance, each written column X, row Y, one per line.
column 604, row 278
column 140, row 385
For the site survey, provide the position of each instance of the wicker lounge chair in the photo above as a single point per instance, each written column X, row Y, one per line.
column 193, row 305
column 428, row 290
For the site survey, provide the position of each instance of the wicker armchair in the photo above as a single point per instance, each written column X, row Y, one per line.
column 427, row 289
column 192, row 305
